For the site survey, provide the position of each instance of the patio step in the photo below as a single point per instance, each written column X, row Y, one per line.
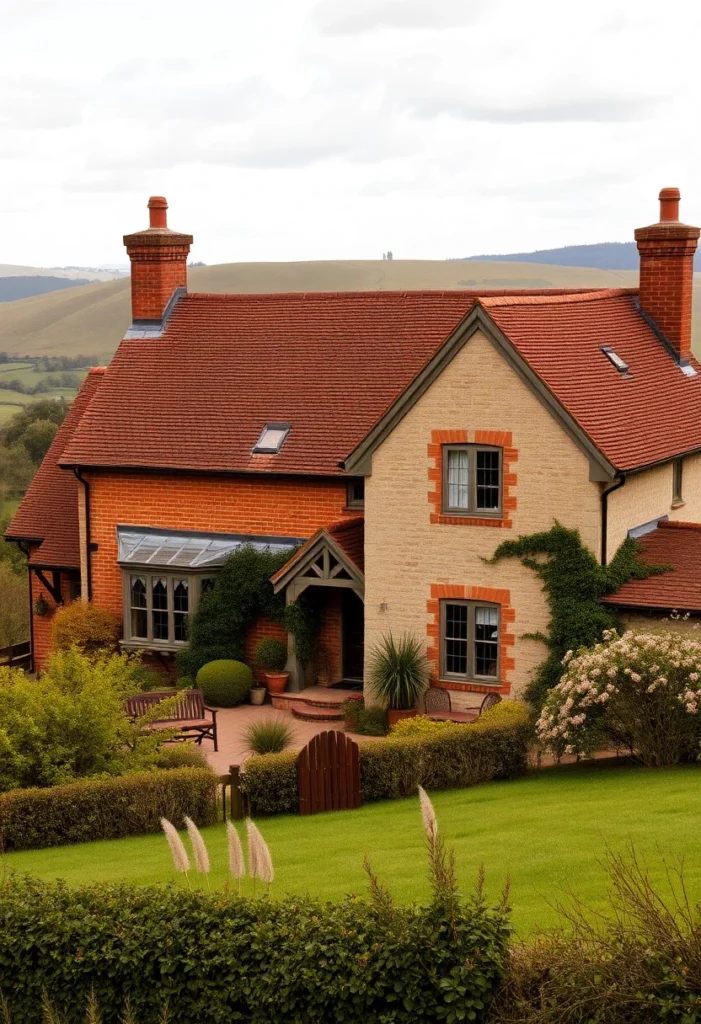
column 288, row 701
column 310, row 713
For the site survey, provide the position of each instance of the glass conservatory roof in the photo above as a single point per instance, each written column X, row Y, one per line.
column 189, row 550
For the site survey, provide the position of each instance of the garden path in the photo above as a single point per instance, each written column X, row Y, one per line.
column 232, row 724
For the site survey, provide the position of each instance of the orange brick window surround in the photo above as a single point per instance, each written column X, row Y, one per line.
column 446, row 592
column 499, row 439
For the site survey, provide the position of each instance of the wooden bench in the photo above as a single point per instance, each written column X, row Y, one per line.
column 436, row 704
column 190, row 716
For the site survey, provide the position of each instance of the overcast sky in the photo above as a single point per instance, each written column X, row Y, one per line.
column 337, row 129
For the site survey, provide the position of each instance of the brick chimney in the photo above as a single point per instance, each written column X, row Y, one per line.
column 666, row 273
column 158, row 263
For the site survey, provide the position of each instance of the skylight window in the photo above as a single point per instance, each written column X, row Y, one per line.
column 616, row 360
column 271, row 439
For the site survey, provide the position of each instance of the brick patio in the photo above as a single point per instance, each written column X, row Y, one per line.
column 233, row 722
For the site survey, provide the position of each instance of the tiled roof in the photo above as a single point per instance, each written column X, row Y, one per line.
column 49, row 510
column 651, row 416
column 331, row 365
column 349, row 534
column 672, row 543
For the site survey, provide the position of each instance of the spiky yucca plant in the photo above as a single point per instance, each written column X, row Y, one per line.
column 398, row 671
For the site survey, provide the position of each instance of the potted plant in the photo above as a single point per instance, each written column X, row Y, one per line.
column 271, row 656
column 398, row 675
column 257, row 694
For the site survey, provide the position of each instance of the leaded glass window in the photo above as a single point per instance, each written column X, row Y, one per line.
column 138, row 607
column 159, row 607
column 181, row 606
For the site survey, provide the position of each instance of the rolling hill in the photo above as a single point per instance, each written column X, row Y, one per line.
column 92, row 319
column 604, row 255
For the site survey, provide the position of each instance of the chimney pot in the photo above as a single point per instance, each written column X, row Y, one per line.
column 158, row 264
column 667, row 273
column 669, row 204
column 157, row 212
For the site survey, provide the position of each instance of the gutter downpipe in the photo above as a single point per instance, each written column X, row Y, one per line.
column 620, row 481
column 25, row 551
column 88, row 560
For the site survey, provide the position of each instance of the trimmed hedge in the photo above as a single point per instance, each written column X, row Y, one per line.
column 219, row 958
column 225, row 683
column 494, row 747
column 127, row 805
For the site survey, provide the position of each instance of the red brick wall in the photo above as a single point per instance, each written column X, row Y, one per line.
column 261, row 629
column 41, row 625
column 244, row 504
column 666, row 290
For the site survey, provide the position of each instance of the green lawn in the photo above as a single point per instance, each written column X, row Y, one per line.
column 546, row 831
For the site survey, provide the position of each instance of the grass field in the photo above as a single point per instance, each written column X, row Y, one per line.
column 92, row 319
column 546, row 831
column 12, row 401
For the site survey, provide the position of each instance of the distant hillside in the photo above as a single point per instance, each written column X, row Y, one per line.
column 84, row 273
column 12, row 288
column 94, row 317
column 602, row 255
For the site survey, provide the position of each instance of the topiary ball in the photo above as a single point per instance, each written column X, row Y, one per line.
column 225, row 683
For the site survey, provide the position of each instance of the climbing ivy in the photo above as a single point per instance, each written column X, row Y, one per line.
column 243, row 592
column 574, row 583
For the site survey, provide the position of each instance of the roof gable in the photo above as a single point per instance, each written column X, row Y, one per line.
column 48, row 512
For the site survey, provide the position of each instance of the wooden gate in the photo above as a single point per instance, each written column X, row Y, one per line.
column 328, row 774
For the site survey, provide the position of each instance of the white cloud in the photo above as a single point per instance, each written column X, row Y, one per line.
column 340, row 129
column 341, row 17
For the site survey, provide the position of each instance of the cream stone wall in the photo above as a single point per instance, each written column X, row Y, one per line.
column 648, row 495
column 405, row 553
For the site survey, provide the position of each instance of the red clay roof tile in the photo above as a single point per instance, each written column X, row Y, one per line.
column 672, row 543
column 650, row 417
column 331, row 364
column 49, row 510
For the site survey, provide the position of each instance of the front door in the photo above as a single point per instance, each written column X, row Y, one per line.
column 353, row 626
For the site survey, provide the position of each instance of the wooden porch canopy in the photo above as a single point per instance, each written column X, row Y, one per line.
column 333, row 557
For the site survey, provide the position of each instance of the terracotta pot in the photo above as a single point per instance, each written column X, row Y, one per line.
column 258, row 694
column 276, row 681
column 396, row 716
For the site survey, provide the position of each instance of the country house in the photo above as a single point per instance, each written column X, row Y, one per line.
column 389, row 441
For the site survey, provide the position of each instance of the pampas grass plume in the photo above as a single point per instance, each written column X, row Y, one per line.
column 252, row 834
column 181, row 861
column 199, row 850
column 429, row 816
column 259, row 860
column 237, row 866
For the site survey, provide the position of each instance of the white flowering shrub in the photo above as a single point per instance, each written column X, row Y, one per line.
column 640, row 691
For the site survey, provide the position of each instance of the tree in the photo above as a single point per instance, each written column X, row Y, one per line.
column 46, row 409
column 16, row 471
column 36, row 439
column 14, row 607
column 10, row 554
